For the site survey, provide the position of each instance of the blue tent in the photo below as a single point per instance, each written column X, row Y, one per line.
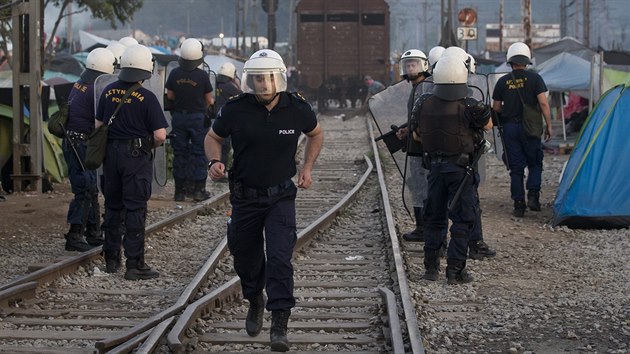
column 595, row 185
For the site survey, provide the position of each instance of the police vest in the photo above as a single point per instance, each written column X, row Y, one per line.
column 443, row 128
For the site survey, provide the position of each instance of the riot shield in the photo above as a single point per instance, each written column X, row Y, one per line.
column 390, row 111
column 478, row 89
column 154, row 84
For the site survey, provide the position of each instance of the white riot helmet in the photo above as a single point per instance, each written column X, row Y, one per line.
column 117, row 49
column 264, row 73
column 99, row 61
column 519, row 53
column 191, row 54
column 128, row 41
column 412, row 64
column 136, row 64
column 450, row 76
column 458, row 53
column 228, row 69
column 434, row 55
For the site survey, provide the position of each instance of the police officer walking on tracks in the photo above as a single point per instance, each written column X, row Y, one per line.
column 510, row 92
column 446, row 126
column 264, row 124
column 138, row 127
column 83, row 212
column 191, row 90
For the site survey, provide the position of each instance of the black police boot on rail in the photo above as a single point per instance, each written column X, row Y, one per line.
column 75, row 241
column 416, row 235
column 533, row 200
column 138, row 270
column 456, row 272
column 479, row 250
column 431, row 265
column 519, row 208
column 93, row 235
column 279, row 321
column 112, row 261
column 200, row 192
column 254, row 320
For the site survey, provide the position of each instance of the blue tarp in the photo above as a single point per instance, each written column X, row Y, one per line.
column 595, row 185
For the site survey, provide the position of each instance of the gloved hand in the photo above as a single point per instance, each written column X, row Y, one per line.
column 479, row 112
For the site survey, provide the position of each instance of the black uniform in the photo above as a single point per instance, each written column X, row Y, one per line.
column 84, row 206
column 262, row 192
column 189, row 109
column 128, row 166
column 447, row 132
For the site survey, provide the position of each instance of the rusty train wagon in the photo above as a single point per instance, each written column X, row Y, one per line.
column 338, row 43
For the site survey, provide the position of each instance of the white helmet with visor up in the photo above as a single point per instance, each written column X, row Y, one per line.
column 412, row 64
column 264, row 73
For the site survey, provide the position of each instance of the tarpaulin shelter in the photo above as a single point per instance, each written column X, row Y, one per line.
column 594, row 189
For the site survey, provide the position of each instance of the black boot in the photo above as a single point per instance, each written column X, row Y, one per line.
column 93, row 235
column 138, row 270
column 200, row 192
column 431, row 265
column 254, row 320
column 533, row 200
column 112, row 261
column 456, row 272
column 416, row 235
column 279, row 320
column 75, row 241
column 479, row 250
column 519, row 208
column 180, row 190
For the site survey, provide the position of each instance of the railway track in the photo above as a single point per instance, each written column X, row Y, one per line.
column 70, row 307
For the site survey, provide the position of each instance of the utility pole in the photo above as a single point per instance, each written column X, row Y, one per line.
column 501, row 9
column 563, row 18
column 527, row 22
column 69, row 39
column 238, row 27
column 27, row 72
column 587, row 23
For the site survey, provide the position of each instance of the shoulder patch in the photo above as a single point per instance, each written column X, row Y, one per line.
column 298, row 96
column 235, row 98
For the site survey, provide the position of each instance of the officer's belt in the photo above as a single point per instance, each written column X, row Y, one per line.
column 132, row 144
column 246, row 192
column 440, row 158
column 76, row 135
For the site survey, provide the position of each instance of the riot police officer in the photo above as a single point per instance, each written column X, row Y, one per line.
column 83, row 212
column 137, row 128
column 191, row 90
column 264, row 123
column 227, row 86
column 446, row 126
column 414, row 67
column 510, row 92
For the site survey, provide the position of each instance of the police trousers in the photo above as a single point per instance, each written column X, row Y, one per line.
column 83, row 184
column 444, row 180
column 189, row 159
column 522, row 151
column 128, row 172
column 260, row 222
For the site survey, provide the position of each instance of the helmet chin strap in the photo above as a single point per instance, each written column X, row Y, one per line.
column 266, row 102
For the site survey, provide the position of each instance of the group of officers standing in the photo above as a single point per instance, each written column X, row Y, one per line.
column 263, row 122
column 444, row 139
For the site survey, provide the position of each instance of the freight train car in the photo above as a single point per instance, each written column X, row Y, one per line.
column 338, row 43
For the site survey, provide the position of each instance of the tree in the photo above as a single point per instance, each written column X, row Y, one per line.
column 110, row 10
column 114, row 11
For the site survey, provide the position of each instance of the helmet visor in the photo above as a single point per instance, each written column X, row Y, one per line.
column 411, row 67
column 263, row 82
